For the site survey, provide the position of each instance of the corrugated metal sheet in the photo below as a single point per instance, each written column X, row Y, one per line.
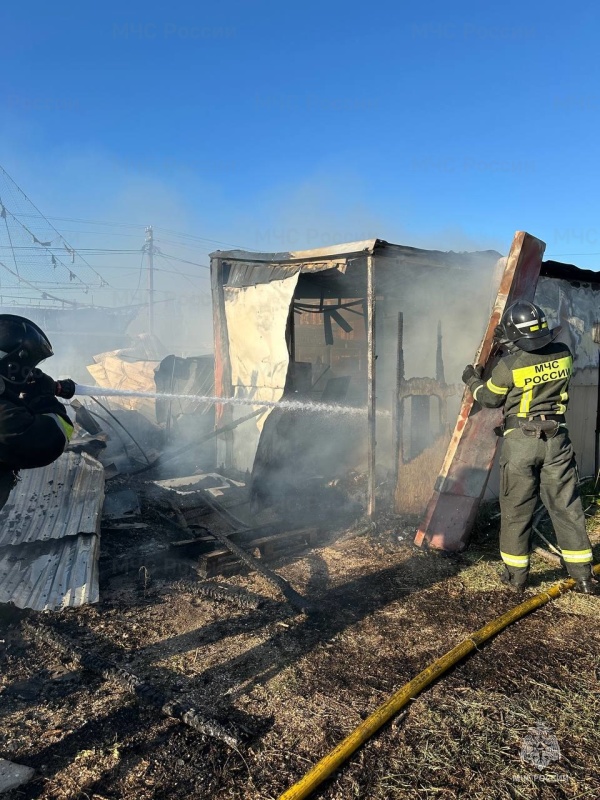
column 347, row 248
column 245, row 268
column 62, row 499
column 49, row 545
column 50, row 575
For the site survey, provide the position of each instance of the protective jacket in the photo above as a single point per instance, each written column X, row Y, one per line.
column 536, row 462
column 528, row 384
column 33, row 433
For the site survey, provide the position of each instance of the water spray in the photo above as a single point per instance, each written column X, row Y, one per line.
column 290, row 405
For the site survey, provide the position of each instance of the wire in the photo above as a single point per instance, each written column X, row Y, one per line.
column 196, row 238
column 139, row 279
column 10, row 243
column 178, row 272
column 32, row 204
column 91, row 221
column 46, row 246
column 138, row 225
column 120, row 424
column 45, row 295
column 184, row 261
column 112, row 251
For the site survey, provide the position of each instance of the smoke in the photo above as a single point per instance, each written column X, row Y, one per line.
column 333, row 205
column 82, row 192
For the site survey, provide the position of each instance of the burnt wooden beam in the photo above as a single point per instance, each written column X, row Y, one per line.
column 464, row 475
column 287, row 590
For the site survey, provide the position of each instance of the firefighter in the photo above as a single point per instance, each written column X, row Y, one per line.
column 34, row 425
column 537, row 459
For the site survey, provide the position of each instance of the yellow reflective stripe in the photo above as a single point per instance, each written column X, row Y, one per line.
column 525, row 403
column 496, row 389
column 515, row 561
column 562, row 406
column 509, row 430
column 534, row 328
column 481, row 385
column 555, row 370
column 577, row 556
column 65, row 427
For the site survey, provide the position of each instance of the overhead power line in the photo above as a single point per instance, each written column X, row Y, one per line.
column 168, row 259
column 141, row 225
column 9, row 184
column 45, row 295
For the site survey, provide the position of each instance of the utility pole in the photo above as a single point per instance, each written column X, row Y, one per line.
column 149, row 250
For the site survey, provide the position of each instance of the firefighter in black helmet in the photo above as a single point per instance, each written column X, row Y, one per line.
column 537, row 458
column 34, row 425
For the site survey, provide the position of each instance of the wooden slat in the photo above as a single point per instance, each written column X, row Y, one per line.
column 462, row 480
column 222, row 561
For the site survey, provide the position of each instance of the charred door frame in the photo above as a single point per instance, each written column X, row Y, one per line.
column 223, row 382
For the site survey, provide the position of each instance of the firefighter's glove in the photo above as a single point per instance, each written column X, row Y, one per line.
column 38, row 385
column 65, row 388
column 39, row 394
column 472, row 375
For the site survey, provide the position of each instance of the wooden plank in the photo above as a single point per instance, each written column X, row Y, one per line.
column 220, row 560
column 462, row 480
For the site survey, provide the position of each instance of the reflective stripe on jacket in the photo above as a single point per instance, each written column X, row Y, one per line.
column 529, row 383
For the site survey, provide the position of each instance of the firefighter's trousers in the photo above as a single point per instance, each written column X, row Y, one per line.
column 529, row 468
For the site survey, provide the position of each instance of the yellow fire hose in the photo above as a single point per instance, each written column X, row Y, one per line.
column 397, row 701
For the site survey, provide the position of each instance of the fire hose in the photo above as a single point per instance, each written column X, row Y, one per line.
column 329, row 763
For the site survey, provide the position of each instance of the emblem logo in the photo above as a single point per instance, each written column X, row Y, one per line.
column 540, row 747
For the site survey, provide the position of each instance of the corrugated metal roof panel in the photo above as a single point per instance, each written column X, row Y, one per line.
column 344, row 249
column 50, row 575
column 62, row 499
column 48, row 544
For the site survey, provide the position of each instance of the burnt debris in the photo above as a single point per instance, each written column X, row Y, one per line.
column 145, row 692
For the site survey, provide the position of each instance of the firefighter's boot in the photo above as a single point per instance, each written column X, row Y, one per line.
column 586, row 586
column 515, row 583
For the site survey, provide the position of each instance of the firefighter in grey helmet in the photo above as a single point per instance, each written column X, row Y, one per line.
column 537, row 459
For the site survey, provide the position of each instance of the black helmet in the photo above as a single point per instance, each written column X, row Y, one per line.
column 524, row 324
column 22, row 346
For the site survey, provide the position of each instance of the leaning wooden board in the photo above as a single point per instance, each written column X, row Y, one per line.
column 461, row 483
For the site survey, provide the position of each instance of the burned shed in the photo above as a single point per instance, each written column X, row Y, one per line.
column 371, row 325
column 571, row 298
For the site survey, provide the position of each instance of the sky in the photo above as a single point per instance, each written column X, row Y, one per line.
column 285, row 125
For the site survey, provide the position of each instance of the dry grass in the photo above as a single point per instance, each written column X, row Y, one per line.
column 299, row 686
